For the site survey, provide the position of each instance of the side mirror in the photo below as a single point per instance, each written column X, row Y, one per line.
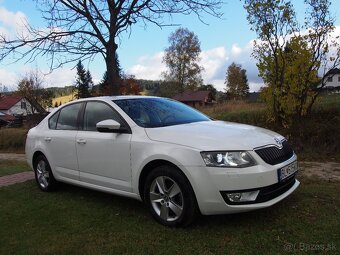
column 108, row 126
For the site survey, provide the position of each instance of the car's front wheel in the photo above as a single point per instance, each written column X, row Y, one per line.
column 170, row 197
column 43, row 174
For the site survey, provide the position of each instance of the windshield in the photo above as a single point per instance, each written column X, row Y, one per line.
column 159, row 112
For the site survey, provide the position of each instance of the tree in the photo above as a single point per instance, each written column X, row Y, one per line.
column 291, row 56
column 82, row 81
column 80, row 29
column 236, row 82
column 104, row 85
column 89, row 80
column 130, row 86
column 31, row 87
column 182, row 57
column 55, row 104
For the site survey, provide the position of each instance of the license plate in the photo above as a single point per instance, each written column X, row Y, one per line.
column 286, row 171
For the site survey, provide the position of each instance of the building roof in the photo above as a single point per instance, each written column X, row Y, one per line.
column 333, row 71
column 192, row 96
column 6, row 102
column 6, row 117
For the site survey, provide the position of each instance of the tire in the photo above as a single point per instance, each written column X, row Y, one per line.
column 170, row 197
column 43, row 174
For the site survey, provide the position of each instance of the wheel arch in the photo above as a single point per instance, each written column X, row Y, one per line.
column 36, row 155
column 152, row 165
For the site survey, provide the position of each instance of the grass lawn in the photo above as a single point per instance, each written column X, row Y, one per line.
column 79, row 221
column 12, row 167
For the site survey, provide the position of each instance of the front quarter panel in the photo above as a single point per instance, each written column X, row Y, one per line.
column 144, row 150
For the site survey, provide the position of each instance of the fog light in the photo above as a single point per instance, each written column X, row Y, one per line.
column 243, row 197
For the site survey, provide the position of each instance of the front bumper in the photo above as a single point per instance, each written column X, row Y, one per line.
column 211, row 184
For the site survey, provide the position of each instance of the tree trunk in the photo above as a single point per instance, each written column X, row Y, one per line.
column 111, row 67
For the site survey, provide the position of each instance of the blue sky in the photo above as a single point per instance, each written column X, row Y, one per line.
column 140, row 52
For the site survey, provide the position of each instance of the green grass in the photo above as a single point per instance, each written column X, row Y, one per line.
column 12, row 140
column 79, row 221
column 8, row 167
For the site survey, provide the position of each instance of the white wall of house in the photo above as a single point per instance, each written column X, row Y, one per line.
column 334, row 81
column 23, row 108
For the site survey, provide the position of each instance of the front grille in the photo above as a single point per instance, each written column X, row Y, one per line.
column 273, row 155
column 266, row 193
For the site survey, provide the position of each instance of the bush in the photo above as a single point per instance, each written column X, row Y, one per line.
column 12, row 140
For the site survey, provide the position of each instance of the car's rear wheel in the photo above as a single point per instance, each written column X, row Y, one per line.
column 170, row 197
column 43, row 174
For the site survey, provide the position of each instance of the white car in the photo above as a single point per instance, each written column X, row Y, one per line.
column 174, row 158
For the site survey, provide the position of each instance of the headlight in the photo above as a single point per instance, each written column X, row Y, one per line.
column 237, row 159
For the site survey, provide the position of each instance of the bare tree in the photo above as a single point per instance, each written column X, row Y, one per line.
column 31, row 87
column 81, row 29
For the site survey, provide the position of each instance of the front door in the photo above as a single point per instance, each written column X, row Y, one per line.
column 103, row 158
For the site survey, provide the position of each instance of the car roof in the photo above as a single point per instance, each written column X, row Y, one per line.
column 105, row 98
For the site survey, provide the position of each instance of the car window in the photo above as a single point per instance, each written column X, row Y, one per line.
column 159, row 112
column 96, row 112
column 52, row 122
column 68, row 117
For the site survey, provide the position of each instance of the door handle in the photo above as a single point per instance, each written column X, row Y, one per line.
column 47, row 139
column 81, row 141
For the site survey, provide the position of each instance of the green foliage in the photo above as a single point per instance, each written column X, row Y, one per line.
column 236, row 82
column 83, row 81
column 182, row 59
column 289, row 59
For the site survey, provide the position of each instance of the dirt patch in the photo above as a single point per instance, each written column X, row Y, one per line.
column 12, row 156
column 329, row 171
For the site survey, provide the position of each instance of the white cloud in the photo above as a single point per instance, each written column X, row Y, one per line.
column 212, row 60
column 215, row 62
column 12, row 22
column 7, row 78
column 60, row 77
column 148, row 67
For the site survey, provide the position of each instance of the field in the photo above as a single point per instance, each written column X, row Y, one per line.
column 79, row 221
column 63, row 99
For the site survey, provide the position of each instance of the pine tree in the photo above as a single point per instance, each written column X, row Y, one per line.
column 82, row 85
column 89, row 80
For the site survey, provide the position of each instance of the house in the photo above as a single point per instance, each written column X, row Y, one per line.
column 19, row 106
column 195, row 98
column 333, row 80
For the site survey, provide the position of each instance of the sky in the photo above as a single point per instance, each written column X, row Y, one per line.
column 140, row 52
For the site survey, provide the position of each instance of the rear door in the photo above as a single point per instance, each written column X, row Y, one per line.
column 60, row 141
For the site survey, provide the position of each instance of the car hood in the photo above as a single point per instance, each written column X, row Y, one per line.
column 214, row 135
